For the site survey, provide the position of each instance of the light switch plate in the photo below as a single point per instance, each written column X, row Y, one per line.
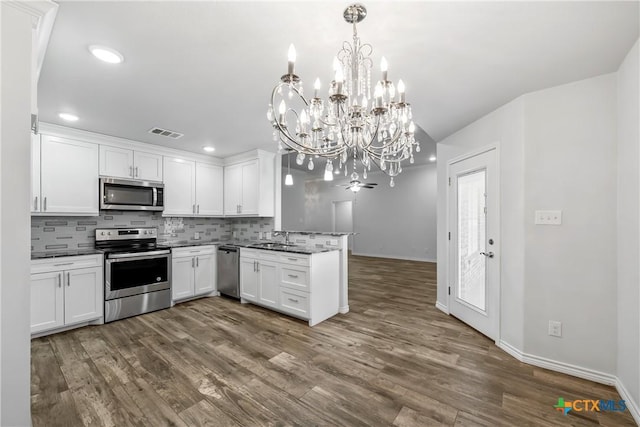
column 548, row 218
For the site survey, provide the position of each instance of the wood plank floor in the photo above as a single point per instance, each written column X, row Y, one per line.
column 394, row 359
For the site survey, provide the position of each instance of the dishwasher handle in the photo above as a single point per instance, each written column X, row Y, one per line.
column 228, row 249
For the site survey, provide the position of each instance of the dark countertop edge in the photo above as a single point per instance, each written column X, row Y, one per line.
column 174, row 245
column 320, row 233
column 61, row 254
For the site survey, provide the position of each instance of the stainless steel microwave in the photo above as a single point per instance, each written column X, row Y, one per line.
column 128, row 195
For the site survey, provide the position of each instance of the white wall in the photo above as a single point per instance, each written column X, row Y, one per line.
column 14, row 216
column 570, row 270
column 398, row 222
column 628, row 232
column 574, row 148
column 503, row 127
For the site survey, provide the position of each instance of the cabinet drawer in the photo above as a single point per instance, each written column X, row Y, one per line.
column 294, row 302
column 295, row 259
column 295, row 277
column 193, row 251
column 65, row 263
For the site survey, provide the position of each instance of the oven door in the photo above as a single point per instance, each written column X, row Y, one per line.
column 129, row 274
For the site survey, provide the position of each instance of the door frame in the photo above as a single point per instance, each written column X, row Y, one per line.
column 498, row 235
column 351, row 237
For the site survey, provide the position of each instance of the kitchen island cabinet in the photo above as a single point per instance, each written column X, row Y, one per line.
column 300, row 285
column 66, row 292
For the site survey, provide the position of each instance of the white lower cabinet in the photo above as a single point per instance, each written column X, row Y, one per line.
column 193, row 272
column 304, row 286
column 66, row 291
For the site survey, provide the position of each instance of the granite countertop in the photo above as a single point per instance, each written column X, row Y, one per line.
column 247, row 244
column 185, row 243
column 59, row 254
column 320, row 233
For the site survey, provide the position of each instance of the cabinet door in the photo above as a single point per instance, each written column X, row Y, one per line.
column 116, row 162
column 268, row 283
column 36, row 200
column 250, row 188
column 248, row 279
column 147, row 166
column 69, row 176
column 232, row 189
column 179, row 187
column 182, row 277
column 47, row 301
column 205, row 274
column 209, row 190
column 83, row 299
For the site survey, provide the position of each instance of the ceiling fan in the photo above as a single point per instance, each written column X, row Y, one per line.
column 355, row 185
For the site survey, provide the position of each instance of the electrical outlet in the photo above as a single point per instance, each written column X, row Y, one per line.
column 548, row 218
column 555, row 328
column 196, row 235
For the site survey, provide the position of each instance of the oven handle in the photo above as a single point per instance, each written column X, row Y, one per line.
column 140, row 255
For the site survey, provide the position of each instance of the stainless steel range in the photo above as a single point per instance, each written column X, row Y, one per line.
column 137, row 273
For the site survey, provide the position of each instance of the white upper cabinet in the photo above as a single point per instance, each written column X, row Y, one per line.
column 179, row 187
column 36, row 200
column 192, row 188
column 209, row 190
column 147, row 166
column 67, row 172
column 123, row 163
column 249, row 187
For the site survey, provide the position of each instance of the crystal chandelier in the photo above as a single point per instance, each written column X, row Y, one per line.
column 351, row 127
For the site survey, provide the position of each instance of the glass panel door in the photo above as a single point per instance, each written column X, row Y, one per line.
column 471, row 239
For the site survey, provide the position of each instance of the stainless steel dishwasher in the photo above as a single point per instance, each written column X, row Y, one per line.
column 229, row 271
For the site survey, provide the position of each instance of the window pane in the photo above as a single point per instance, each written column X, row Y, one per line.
column 471, row 238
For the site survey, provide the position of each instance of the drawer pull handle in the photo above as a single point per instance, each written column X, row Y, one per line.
column 64, row 263
column 292, row 300
column 295, row 276
column 293, row 259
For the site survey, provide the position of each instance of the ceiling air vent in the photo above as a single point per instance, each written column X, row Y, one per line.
column 168, row 133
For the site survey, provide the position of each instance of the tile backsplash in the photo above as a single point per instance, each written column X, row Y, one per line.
column 74, row 233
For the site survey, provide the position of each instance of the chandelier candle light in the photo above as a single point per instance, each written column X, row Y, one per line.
column 351, row 125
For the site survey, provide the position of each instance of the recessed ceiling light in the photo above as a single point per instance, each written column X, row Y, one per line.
column 432, row 158
column 68, row 117
column 106, row 54
column 209, row 149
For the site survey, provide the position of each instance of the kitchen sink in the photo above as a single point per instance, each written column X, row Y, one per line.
column 271, row 245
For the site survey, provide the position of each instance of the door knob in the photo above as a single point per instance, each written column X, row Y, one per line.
column 487, row 254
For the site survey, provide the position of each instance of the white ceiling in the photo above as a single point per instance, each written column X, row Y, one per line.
column 206, row 69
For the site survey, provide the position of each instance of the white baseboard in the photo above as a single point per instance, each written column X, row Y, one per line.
column 440, row 306
column 554, row 365
column 406, row 258
column 576, row 371
column 632, row 405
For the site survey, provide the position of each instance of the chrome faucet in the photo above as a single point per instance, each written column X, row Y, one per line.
column 281, row 233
